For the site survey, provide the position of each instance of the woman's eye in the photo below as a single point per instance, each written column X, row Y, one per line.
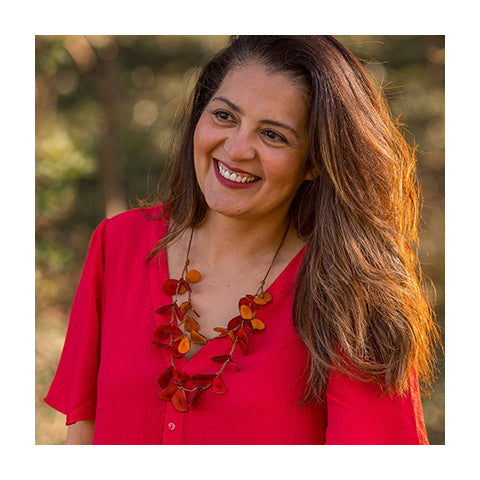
column 274, row 136
column 222, row 116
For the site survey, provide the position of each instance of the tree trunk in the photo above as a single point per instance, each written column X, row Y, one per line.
column 110, row 164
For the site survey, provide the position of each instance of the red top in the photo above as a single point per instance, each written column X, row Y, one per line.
column 109, row 368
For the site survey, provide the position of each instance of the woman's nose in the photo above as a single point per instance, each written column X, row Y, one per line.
column 239, row 145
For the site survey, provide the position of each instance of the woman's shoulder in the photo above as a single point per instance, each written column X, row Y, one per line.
column 140, row 215
column 136, row 222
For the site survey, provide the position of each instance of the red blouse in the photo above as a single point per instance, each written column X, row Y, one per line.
column 109, row 367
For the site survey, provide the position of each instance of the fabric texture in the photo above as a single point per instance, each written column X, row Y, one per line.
column 109, row 368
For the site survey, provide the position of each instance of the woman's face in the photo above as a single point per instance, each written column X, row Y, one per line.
column 250, row 144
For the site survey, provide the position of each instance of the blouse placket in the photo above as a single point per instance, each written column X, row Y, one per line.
column 172, row 426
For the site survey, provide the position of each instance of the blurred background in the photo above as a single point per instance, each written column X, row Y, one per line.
column 105, row 109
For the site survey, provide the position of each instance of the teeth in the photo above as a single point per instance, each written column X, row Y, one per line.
column 235, row 177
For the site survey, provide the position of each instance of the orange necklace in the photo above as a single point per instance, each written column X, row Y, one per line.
column 178, row 387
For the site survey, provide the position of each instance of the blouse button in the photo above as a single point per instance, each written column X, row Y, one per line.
column 171, row 426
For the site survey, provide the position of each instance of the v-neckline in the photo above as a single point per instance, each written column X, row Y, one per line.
column 158, row 270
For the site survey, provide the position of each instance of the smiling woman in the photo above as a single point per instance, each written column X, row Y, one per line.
column 273, row 288
column 250, row 145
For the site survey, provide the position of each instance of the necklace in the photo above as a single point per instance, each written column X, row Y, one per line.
column 178, row 387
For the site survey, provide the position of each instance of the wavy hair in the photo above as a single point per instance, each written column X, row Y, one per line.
column 360, row 305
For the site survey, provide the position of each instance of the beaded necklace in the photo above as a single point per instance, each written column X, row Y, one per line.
column 178, row 387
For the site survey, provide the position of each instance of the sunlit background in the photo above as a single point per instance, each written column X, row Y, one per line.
column 105, row 107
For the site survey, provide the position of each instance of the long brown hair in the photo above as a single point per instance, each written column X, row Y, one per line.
column 359, row 302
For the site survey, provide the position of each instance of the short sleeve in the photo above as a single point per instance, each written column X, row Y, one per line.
column 73, row 389
column 358, row 414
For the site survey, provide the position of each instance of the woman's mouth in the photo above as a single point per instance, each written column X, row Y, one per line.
column 235, row 179
column 235, row 176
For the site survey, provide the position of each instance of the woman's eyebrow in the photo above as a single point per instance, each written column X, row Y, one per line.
column 281, row 125
column 270, row 122
column 229, row 103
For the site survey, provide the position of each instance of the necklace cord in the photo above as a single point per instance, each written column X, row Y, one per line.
column 187, row 260
column 176, row 392
column 262, row 283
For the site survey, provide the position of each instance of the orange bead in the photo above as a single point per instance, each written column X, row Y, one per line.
column 184, row 345
column 193, row 276
column 246, row 312
column 257, row 324
column 267, row 296
column 198, row 338
column 259, row 301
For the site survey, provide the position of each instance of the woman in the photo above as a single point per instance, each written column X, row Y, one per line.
column 274, row 297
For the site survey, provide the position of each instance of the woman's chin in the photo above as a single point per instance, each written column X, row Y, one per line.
column 225, row 202
column 225, row 208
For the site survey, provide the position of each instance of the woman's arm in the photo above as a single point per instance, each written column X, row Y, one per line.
column 359, row 415
column 80, row 433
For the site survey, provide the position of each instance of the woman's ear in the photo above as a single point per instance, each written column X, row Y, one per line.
column 312, row 172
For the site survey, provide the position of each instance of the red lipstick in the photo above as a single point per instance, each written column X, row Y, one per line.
column 231, row 183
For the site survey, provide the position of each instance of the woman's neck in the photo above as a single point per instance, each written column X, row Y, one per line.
column 221, row 240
